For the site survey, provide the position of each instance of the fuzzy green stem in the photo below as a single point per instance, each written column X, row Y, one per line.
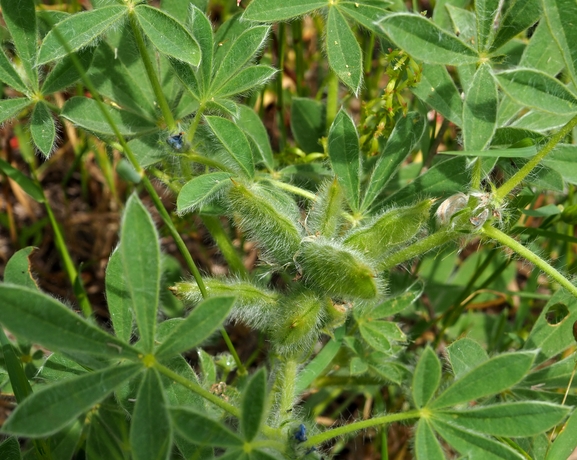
column 332, row 98
column 194, row 387
column 520, row 175
column 288, row 378
column 293, row 189
column 195, row 122
column 151, row 73
column 419, row 247
column 386, row 419
column 514, row 245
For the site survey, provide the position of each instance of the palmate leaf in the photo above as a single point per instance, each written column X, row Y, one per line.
column 17, row 270
column 365, row 12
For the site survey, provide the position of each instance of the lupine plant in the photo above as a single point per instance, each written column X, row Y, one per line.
column 362, row 285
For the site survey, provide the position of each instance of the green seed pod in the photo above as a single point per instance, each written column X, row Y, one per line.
column 254, row 305
column 298, row 322
column 337, row 270
column 394, row 227
column 324, row 217
column 269, row 217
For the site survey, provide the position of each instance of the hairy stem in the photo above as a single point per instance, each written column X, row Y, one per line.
column 514, row 245
column 151, row 73
column 520, row 175
column 386, row 419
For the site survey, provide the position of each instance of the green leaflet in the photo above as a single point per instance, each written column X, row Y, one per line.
column 343, row 51
column 426, row 41
column 79, row 30
column 168, row 35
column 272, row 10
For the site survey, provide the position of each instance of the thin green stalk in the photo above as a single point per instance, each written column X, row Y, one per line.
column 293, row 189
column 369, row 42
column 420, row 247
column 196, row 388
column 217, row 401
column 514, row 245
column 69, row 267
column 297, row 32
column 151, row 73
column 195, row 122
column 279, row 89
column 332, row 97
column 149, row 188
column 386, row 419
column 520, row 175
